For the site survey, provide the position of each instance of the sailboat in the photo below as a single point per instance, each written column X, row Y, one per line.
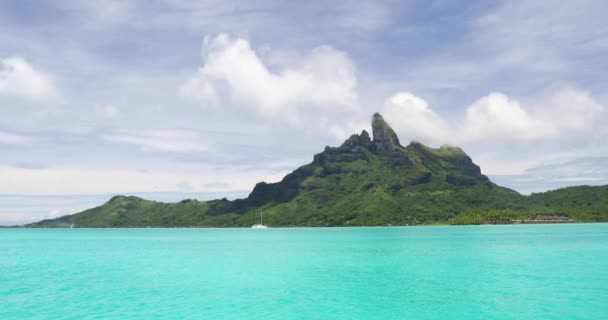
column 261, row 224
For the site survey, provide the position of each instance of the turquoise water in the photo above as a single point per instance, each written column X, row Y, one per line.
column 472, row 272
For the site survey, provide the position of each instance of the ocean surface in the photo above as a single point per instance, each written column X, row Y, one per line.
column 470, row 272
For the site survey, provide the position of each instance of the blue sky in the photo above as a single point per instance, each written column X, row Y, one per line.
column 172, row 98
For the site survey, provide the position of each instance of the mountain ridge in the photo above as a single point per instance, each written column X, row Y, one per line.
column 364, row 181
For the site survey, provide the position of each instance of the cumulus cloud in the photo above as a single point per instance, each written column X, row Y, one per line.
column 107, row 111
column 19, row 78
column 413, row 118
column 179, row 141
column 496, row 117
column 323, row 79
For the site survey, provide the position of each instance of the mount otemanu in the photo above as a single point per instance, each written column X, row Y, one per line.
column 363, row 182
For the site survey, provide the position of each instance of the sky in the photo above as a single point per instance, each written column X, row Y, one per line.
column 172, row 98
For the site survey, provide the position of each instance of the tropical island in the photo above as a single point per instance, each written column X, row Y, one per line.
column 367, row 181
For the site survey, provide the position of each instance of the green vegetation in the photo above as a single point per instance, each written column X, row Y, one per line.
column 361, row 183
column 582, row 203
column 489, row 217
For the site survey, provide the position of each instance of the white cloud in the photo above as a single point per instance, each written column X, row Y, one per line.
column 107, row 111
column 25, row 181
column 569, row 108
column 496, row 117
column 414, row 119
column 325, row 79
column 199, row 88
column 19, row 78
column 160, row 140
column 16, row 139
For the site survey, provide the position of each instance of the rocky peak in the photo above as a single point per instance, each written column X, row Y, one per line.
column 357, row 140
column 385, row 138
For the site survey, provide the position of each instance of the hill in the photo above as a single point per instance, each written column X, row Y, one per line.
column 365, row 181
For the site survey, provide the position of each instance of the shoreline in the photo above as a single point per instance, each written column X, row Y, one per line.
column 324, row 227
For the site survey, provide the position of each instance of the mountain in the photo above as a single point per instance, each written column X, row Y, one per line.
column 365, row 181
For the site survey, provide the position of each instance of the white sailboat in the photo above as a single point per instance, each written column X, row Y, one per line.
column 261, row 224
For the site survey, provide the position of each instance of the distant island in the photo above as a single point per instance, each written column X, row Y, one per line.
column 364, row 182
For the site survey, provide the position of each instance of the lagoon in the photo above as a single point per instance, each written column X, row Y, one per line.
column 444, row 272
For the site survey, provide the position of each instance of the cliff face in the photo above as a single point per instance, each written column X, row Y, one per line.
column 364, row 181
column 385, row 138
